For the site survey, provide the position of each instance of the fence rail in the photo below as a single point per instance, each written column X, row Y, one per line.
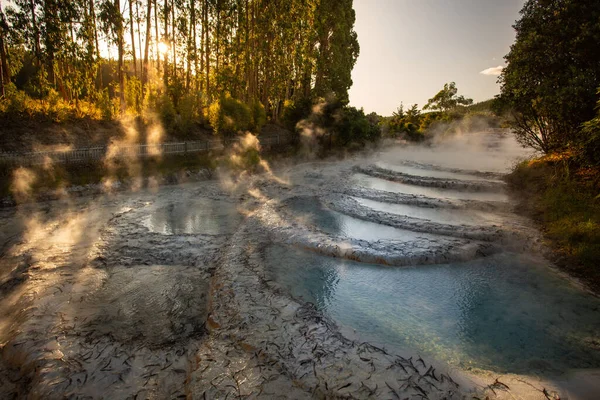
column 97, row 153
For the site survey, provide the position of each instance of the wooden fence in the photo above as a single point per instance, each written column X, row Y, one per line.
column 97, row 153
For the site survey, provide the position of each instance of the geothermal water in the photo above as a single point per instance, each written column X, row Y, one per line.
column 394, row 274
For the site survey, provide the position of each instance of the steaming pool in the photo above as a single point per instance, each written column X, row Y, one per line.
column 503, row 313
column 403, row 271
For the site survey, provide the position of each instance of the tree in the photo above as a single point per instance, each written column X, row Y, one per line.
column 591, row 141
column 553, row 71
column 413, row 115
column 264, row 53
column 4, row 71
column 399, row 113
column 337, row 48
column 447, row 99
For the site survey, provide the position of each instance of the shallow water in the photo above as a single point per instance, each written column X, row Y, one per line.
column 446, row 216
column 505, row 313
column 397, row 187
column 432, row 173
column 199, row 216
column 310, row 212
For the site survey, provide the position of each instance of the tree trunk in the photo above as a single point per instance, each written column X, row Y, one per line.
column 132, row 37
column 207, row 53
column 147, row 47
column 121, row 49
column 4, row 71
column 173, row 41
column 157, row 38
column 189, row 49
column 194, row 46
column 166, row 36
column 139, row 31
column 36, row 33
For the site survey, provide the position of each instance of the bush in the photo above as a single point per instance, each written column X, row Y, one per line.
column 259, row 115
column 229, row 116
column 166, row 110
column 188, row 113
column 57, row 108
column 106, row 105
column 133, row 94
column 353, row 126
column 295, row 111
column 15, row 101
column 564, row 200
column 590, row 153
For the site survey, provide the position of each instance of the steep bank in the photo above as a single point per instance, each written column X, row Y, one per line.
column 564, row 200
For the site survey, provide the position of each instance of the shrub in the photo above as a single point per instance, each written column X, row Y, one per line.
column 188, row 113
column 259, row 115
column 133, row 94
column 166, row 110
column 354, row 127
column 57, row 108
column 106, row 105
column 295, row 111
column 15, row 101
column 229, row 116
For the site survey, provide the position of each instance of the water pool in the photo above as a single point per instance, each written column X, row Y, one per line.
column 505, row 313
column 197, row 216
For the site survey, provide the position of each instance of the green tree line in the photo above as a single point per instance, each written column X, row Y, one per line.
column 552, row 77
column 184, row 58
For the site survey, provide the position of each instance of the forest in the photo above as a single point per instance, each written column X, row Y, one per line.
column 228, row 64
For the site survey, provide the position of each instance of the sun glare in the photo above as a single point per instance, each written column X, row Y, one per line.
column 163, row 48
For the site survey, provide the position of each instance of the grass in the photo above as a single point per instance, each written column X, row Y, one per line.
column 565, row 200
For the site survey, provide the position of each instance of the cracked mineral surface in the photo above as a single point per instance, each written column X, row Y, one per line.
column 397, row 274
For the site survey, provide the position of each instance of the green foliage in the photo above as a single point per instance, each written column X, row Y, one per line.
column 188, row 113
column 291, row 52
column 15, row 101
column 484, row 106
column 591, row 139
column 17, row 104
column 133, row 95
column 229, row 116
column 447, row 99
column 295, row 111
column 338, row 48
column 106, row 105
column 564, row 199
column 354, row 127
column 166, row 110
column 409, row 123
column 553, row 71
column 57, row 110
column 259, row 115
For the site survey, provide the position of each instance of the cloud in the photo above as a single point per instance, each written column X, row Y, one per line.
column 493, row 71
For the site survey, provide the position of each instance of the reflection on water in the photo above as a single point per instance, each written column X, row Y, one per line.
column 504, row 313
column 372, row 182
column 309, row 211
column 202, row 216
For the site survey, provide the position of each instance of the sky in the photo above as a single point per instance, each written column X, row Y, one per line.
column 410, row 48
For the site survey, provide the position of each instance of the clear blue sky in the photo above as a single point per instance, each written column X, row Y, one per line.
column 410, row 48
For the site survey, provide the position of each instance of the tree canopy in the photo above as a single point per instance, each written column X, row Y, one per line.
column 553, row 71
column 447, row 99
column 138, row 51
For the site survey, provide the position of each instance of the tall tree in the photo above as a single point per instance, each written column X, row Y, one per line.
column 4, row 71
column 447, row 99
column 132, row 37
column 553, row 71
